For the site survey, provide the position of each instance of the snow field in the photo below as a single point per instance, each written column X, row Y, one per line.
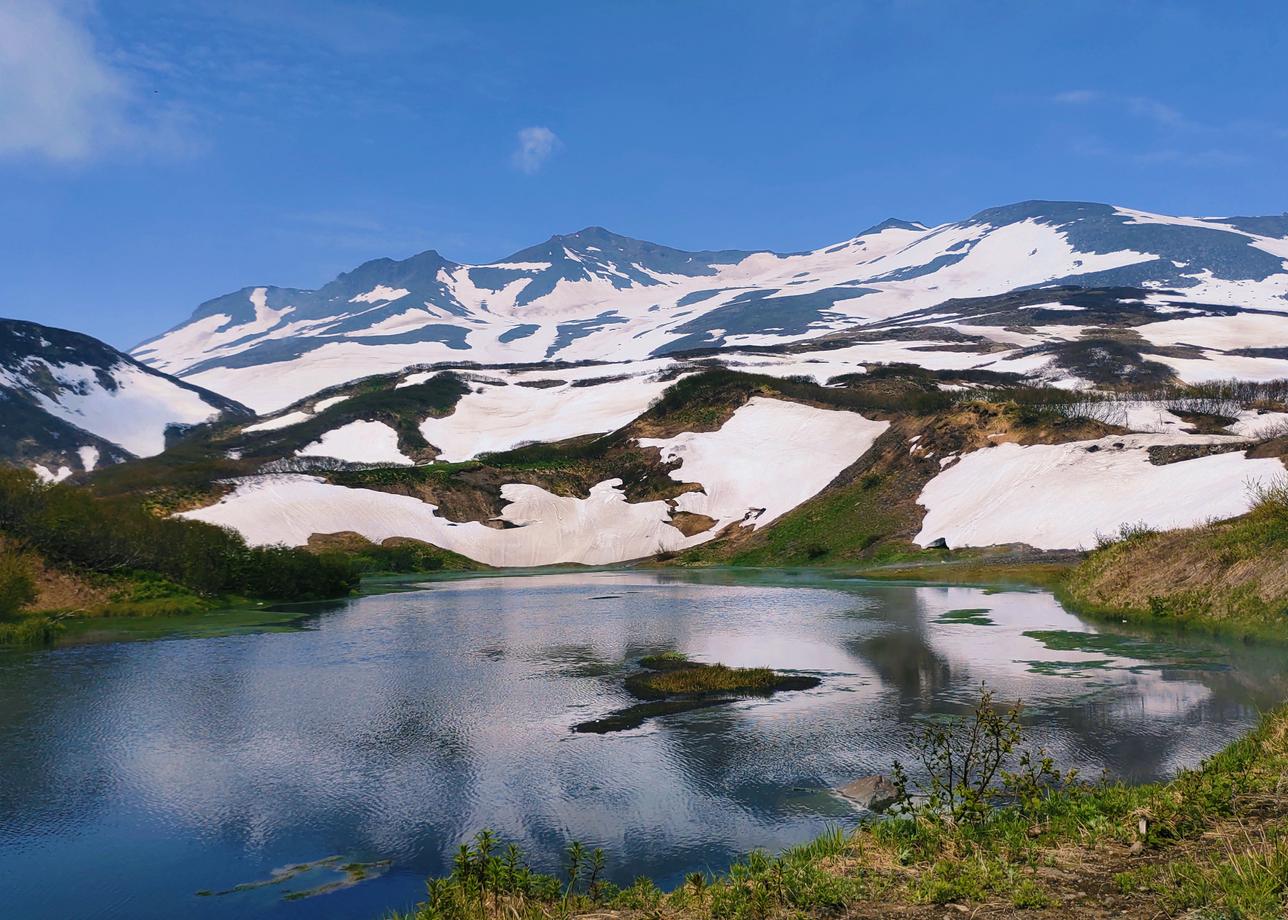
column 1061, row 496
column 771, row 455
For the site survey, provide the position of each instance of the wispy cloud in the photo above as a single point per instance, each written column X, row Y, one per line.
column 1076, row 97
column 1150, row 132
column 1139, row 106
column 58, row 98
column 536, row 145
column 61, row 97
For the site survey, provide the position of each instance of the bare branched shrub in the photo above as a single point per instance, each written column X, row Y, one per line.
column 1225, row 398
column 974, row 763
column 319, row 465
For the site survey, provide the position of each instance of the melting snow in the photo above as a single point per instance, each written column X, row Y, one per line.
column 359, row 442
column 380, row 294
column 499, row 418
column 600, row 529
column 134, row 415
column 282, row 421
column 88, row 457
column 771, row 455
column 45, row 475
column 324, row 404
column 767, row 459
column 1060, row 496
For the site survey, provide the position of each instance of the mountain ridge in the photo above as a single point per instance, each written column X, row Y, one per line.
column 598, row 295
column 73, row 402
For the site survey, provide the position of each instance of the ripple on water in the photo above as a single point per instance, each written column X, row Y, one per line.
column 397, row 725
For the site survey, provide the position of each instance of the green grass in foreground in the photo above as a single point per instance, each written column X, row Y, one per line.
column 1215, row 842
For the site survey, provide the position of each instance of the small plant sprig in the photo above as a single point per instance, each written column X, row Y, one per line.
column 966, row 763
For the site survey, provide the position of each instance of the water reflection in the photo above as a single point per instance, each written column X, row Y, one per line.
column 135, row 775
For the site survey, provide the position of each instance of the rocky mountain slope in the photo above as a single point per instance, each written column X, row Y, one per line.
column 1033, row 287
column 70, row 403
column 1039, row 374
column 711, row 464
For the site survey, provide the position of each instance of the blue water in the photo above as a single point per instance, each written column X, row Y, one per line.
column 134, row 775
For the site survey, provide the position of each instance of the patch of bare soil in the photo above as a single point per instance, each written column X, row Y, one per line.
column 689, row 523
column 57, row 589
column 1205, row 422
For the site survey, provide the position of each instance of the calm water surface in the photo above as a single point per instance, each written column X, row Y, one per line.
column 134, row 775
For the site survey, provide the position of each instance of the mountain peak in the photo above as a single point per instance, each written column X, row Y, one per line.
column 1042, row 210
column 893, row 223
column 593, row 234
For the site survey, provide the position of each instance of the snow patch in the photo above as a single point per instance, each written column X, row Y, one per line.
column 500, row 418
column 359, row 442
column 1061, row 496
column 380, row 294
column 600, row 529
column 44, row 474
column 88, row 457
column 768, row 458
column 323, row 404
column 282, row 421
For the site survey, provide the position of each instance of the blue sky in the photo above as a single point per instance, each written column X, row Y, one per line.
column 156, row 154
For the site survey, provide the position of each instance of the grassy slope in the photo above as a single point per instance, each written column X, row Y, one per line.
column 1227, row 576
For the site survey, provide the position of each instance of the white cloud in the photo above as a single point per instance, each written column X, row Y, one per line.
column 60, row 96
column 1138, row 106
column 536, row 145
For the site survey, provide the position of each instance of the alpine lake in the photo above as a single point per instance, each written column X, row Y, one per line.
column 325, row 768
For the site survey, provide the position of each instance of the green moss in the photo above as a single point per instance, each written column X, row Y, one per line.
column 973, row 616
column 200, row 624
column 349, row 874
column 1068, row 668
column 1067, row 640
column 666, row 661
column 671, row 683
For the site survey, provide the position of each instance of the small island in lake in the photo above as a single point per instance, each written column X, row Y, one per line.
column 671, row 683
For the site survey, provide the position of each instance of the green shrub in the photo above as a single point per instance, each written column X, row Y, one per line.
column 29, row 630
column 17, row 589
column 975, row 763
column 69, row 525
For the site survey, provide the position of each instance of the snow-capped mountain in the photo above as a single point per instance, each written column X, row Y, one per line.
column 69, row 403
column 1215, row 289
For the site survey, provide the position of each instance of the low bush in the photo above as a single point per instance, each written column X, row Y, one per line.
column 67, row 525
column 17, row 589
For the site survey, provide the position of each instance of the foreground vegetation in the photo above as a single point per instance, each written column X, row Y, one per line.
column 995, row 827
